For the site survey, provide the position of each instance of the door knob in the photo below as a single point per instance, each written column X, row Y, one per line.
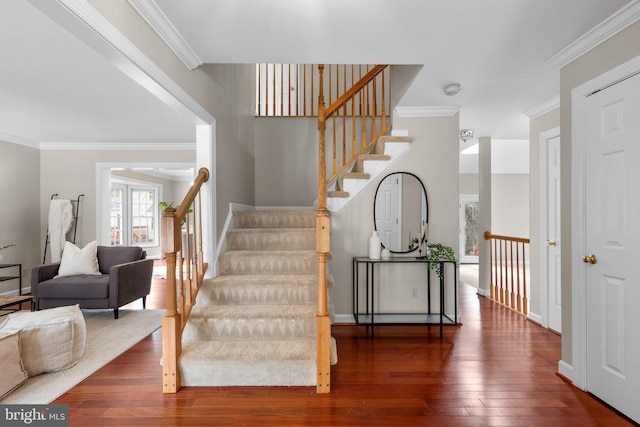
column 590, row 259
column 551, row 242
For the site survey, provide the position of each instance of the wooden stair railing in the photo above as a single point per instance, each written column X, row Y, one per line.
column 372, row 125
column 508, row 272
column 185, row 222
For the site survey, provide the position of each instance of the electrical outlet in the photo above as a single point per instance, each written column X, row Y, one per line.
column 414, row 293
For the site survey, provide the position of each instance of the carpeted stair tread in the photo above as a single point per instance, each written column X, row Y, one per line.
column 268, row 262
column 294, row 218
column 273, row 363
column 257, row 322
column 271, row 238
column 260, row 289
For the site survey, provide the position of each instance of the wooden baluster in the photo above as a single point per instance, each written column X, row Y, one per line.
column 384, row 116
column 374, row 110
column 518, row 294
column 492, row 292
column 259, row 90
column 525, row 303
column 512, row 281
column 354, row 147
column 501, row 275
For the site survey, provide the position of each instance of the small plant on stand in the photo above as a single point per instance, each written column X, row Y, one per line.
column 437, row 252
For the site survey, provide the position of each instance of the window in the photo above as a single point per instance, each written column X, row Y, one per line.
column 134, row 214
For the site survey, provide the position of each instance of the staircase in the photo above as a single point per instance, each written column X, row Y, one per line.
column 367, row 167
column 255, row 324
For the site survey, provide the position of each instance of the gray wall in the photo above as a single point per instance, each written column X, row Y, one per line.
column 611, row 53
column 434, row 159
column 286, row 161
column 19, row 211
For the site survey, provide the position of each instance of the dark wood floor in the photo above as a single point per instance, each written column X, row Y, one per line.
column 497, row 369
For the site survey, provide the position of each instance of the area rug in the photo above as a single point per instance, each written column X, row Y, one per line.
column 107, row 338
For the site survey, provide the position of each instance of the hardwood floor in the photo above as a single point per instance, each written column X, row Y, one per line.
column 497, row 369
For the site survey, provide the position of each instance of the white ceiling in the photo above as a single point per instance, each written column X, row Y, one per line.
column 54, row 88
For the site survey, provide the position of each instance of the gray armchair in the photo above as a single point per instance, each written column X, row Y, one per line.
column 126, row 277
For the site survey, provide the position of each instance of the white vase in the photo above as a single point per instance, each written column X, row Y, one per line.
column 385, row 254
column 375, row 246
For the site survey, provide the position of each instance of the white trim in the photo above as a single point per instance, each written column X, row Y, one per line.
column 545, row 107
column 535, row 317
column 17, row 140
column 544, row 268
column 565, row 370
column 444, row 111
column 158, row 21
column 483, row 292
column 103, row 194
column 344, row 319
column 608, row 28
column 578, row 213
column 228, row 225
column 119, row 146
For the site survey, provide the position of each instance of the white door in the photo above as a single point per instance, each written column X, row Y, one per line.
column 469, row 228
column 612, row 253
column 388, row 212
column 552, row 214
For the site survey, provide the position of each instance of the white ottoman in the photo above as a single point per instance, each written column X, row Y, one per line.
column 50, row 340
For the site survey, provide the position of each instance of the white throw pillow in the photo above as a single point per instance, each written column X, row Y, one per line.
column 13, row 373
column 79, row 261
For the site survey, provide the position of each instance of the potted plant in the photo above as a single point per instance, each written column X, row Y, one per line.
column 2, row 248
column 437, row 252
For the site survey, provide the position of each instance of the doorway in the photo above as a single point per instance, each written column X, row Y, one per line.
column 606, row 220
column 469, row 228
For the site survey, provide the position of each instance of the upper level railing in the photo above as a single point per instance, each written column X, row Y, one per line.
column 291, row 90
column 509, row 271
column 372, row 123
column 182, row 247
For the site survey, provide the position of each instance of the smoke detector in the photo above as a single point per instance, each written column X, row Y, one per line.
column 452, row 89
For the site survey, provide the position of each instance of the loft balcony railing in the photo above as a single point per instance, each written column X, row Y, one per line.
column 509, row 271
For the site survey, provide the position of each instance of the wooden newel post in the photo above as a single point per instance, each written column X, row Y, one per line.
column 171, row 323
column 323, row 232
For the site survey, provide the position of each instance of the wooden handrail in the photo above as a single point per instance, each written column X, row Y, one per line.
column 182, row 289
column 350, row 94
column 508, row 275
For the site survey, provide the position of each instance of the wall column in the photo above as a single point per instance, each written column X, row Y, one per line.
column 206, row 157
column 484, row 197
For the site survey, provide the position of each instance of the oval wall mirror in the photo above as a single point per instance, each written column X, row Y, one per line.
column 401, row 212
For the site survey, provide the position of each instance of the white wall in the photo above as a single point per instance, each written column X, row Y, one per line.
column 434, row 159
column 19, row 211
column 510, row 205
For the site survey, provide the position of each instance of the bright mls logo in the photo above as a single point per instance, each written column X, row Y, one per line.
column 35, row 415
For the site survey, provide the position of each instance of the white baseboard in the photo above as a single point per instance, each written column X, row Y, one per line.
column 484, row 292
column 565, row 370
column 535, row 317
column 25, row 290
column 344, row 319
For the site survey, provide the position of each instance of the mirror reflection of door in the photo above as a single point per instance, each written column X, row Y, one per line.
column 401, row 212
column 469, row 228
column 388, row 211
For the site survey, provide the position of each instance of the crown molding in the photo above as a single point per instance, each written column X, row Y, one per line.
column 151, row 12
column 443, row 111
column 600, row 33
column 118, row 146
column 545, row 107
column 19, row 141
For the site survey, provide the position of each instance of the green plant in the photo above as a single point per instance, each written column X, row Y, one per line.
column 437, row 252
column 414, row 243
column 164, row 205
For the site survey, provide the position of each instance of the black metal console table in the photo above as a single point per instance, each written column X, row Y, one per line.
column 441, row 316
